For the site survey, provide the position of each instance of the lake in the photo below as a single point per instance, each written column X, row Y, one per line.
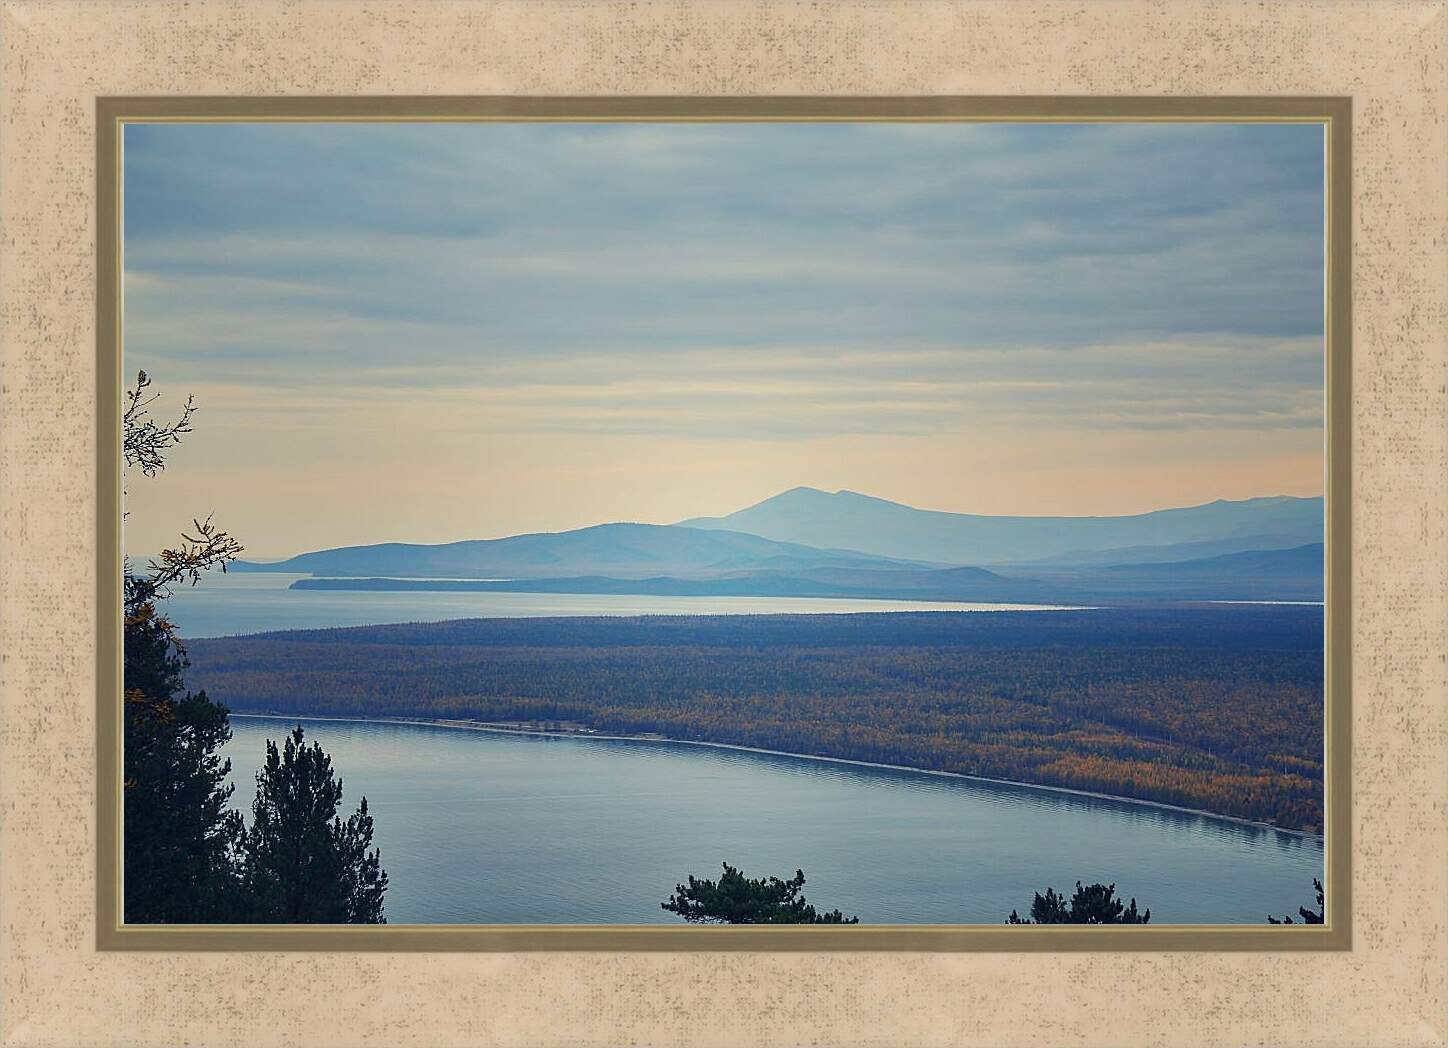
column 482, row 827
column 225, row 605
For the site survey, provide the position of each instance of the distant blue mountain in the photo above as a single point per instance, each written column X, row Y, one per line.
column 818, row 544
column 1304, row 561
column 1175, row 551
column 905, row 584
column 848, row 520
column 614, row 550
column 1285, row 574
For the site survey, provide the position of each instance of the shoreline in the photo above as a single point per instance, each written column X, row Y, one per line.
column 463, row 725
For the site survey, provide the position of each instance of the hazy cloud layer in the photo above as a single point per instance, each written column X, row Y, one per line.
column 732, row 284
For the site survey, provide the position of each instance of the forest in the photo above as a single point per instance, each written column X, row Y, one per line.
column 1214, row 707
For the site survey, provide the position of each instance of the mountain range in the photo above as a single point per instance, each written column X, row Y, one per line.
column 806, row 542
column 613, row 550
column 848, row 520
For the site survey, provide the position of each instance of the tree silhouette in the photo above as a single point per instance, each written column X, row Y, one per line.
column 1308, row 917
column 302, row 863
column 1093, row 904
column 737, row 899
column 181, row 838
column 187, row 855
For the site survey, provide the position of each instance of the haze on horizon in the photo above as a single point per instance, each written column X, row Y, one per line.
column 425, row 333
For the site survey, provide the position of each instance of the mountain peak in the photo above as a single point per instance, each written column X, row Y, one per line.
column 846, row 519
column 803, row 493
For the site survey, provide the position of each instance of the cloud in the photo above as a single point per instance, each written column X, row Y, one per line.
column 727, row 283
column 552, row 234
column 791, row 392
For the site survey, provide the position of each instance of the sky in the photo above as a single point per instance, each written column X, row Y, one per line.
column 431, row 332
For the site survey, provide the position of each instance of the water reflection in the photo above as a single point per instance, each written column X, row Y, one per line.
column 482, row 827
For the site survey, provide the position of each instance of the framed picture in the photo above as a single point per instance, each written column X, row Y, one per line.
column 1085, row 641
column 562, row 527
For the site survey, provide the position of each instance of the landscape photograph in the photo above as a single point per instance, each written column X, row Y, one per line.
column 612, row 523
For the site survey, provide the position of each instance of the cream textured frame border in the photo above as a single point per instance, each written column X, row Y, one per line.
column 1388, row 56
column 1334, row 115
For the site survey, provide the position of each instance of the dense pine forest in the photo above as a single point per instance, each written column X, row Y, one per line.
column 1213, row 707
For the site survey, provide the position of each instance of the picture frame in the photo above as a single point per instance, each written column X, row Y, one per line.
column 1383, row 977
column 1334, row 115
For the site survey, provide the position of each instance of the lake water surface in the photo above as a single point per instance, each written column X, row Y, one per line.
column 244, row 602
column 492, row 828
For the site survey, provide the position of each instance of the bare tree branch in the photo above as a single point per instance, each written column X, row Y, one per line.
column 209, row 548
column 144, row 443
column 144, row 440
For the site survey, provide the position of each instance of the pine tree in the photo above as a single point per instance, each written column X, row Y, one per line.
column 302, row 862
column 180, row 836
column 737, row 899
column 1308, row 916
column 187, row 856
column 1093, row 904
